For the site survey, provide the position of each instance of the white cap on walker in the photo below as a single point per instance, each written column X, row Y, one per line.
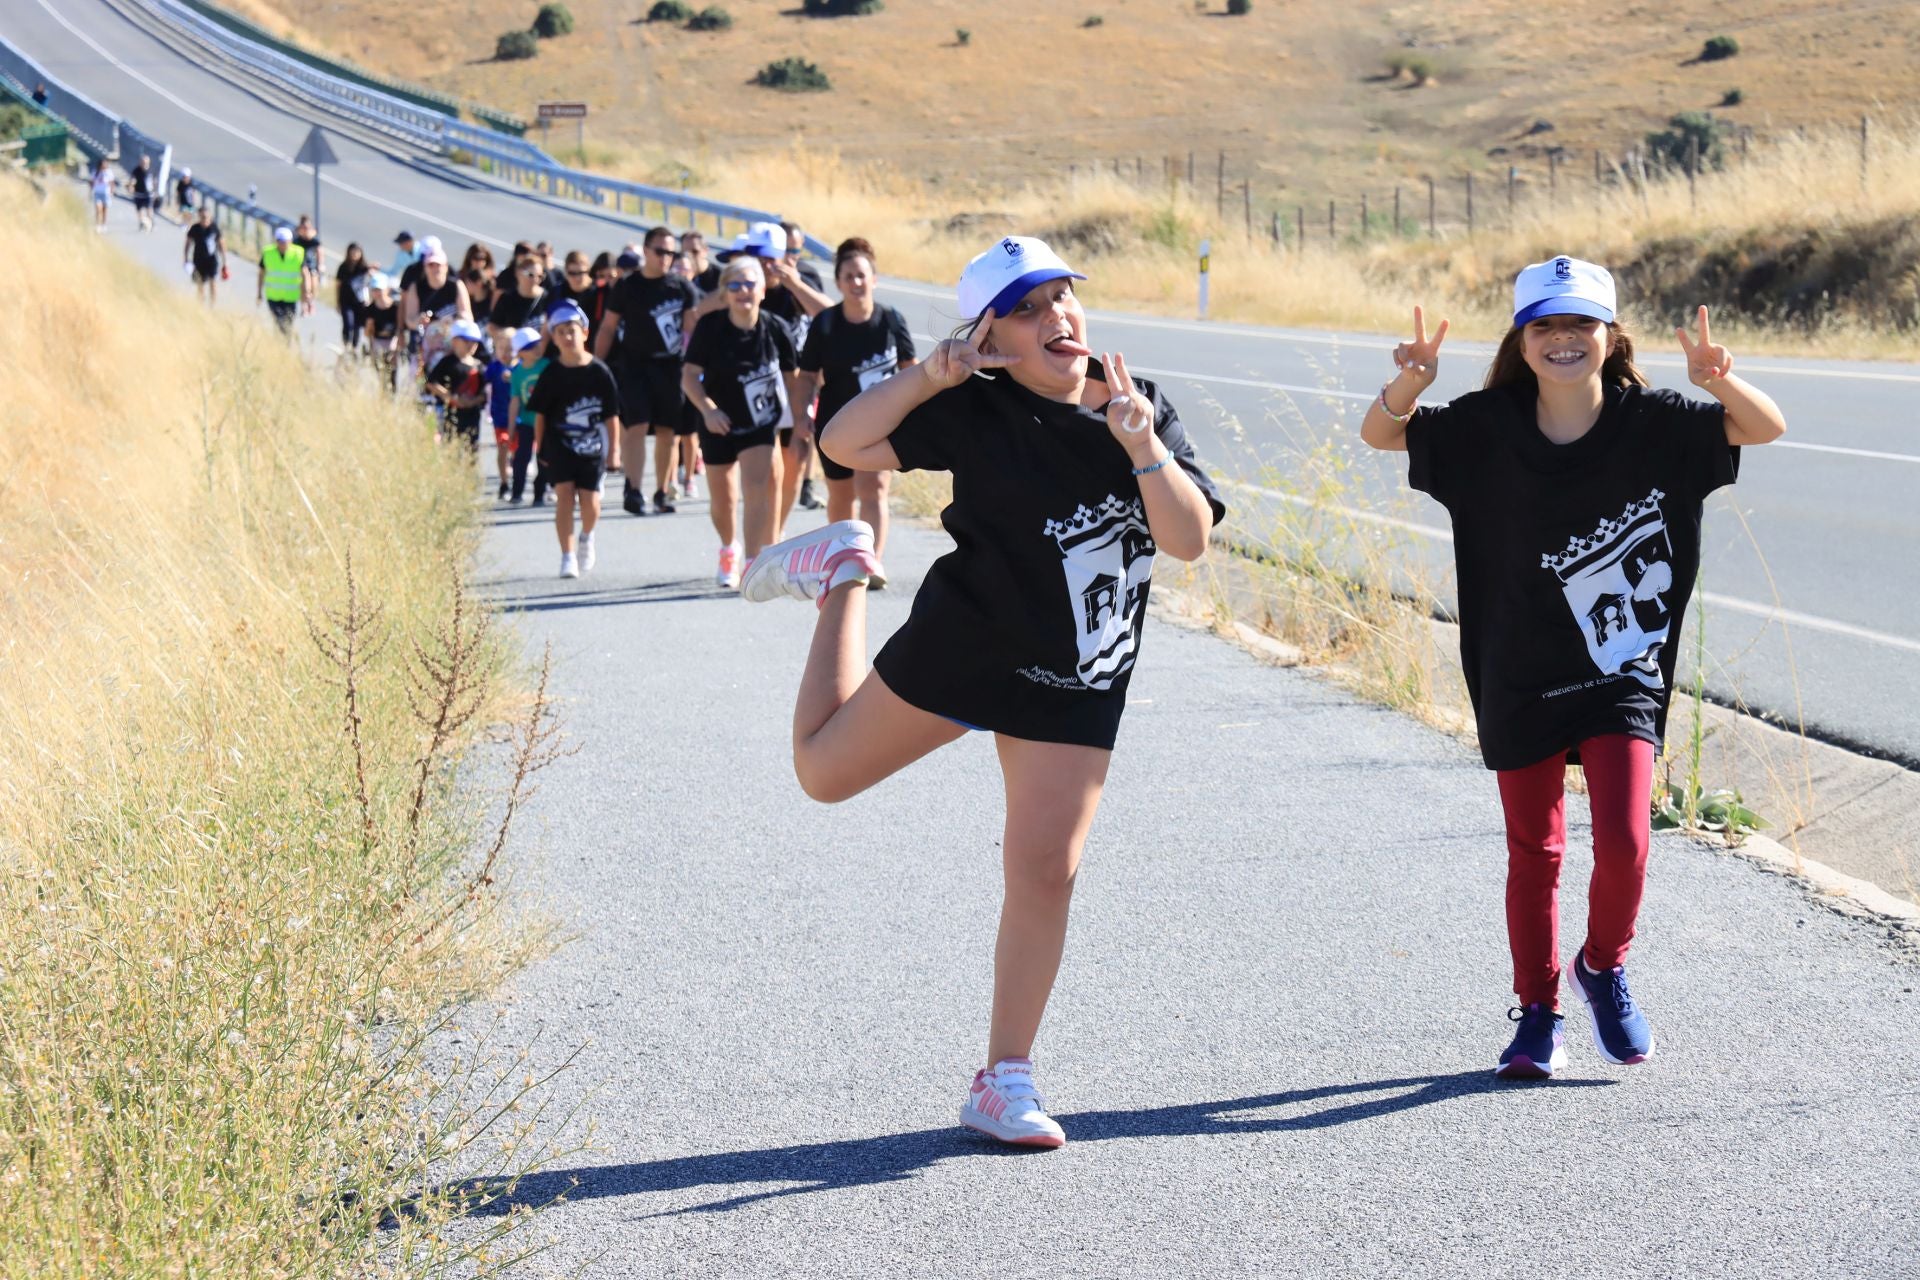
column 1003, row 274
column 1563, row 286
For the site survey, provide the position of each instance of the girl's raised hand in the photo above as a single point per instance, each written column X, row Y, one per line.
column 1707, row 360
column 955, row 360
column 1129, row 413
column 1422, row 355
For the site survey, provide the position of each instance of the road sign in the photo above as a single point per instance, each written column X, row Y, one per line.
column 316, row 151
column 563, row 110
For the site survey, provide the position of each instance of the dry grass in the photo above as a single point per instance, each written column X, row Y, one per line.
column 225, row 930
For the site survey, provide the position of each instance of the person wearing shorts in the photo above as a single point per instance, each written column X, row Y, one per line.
column 529, row 362
column 740, row 373
column 648, row 314
column 102, row 194
column 140, row 182
column 576, row 432
column 205, row 254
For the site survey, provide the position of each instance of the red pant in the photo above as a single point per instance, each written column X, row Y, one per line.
column 1620, row 791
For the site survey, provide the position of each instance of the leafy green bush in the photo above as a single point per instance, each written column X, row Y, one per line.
column 794, row 75
column 515, row 45
column 1718, row 47
column 1732, row 98
column 669, row 11
column 552, row 21
column 1092, row 20
column 711, row 18
column 840, row 8
column 962, row 36
column 1239, row 8
column 1675, row 144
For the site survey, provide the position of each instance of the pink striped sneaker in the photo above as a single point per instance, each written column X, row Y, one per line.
column 1004, row 1104
column 806, row 567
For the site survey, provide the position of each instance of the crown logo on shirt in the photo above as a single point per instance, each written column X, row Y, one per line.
column 1112, row 509
column 1578, row 548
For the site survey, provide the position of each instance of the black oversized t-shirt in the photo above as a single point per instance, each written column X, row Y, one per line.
column 464, row 378
column 741, row 368
column 511, row 311
column 207, row 245
column 386, row 320
column 853, row 356
column 651, row 312
column 577, row 401
column 1031, row 625
column 1574, row 561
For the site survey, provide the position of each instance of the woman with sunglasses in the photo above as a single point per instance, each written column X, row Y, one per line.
column 522, row 302
column 649, row 313
column 431, row 307
column 477, row 273
column 739, row 373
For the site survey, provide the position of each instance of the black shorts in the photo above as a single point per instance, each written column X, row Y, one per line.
column 831, row 469
column 142, row 203
column 564, row 466
column 650, row 394
column 719, row 450
column 205, row 272
column 942, row 666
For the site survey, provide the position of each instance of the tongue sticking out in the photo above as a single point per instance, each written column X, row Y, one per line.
column 1067, row 347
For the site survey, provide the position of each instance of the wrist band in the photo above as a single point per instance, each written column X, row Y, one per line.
column 1401, row 418
column 1147, row 471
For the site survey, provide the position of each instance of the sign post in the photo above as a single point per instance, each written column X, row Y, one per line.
column 1206, row 265
column 316, row 151
column 574, row 111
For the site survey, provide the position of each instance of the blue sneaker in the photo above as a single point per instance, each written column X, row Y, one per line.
column 1539, row 1046
column 1620, row 1030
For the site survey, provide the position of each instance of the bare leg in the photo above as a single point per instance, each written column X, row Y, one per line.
column 563, row 516
column 799, row 458
column 775, row 456
column 840, row 501
column 1052, row 792
column 664, row 442
column 633, row 454
column 849, row 729
column 723, row 487
column 757, row 481
column 589, row 509
column 870, row 487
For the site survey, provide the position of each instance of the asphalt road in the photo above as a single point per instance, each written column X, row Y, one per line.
column 1813, row 585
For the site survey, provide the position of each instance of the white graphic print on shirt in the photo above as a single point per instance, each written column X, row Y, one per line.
column 1616, row 582
column 580, row 428
column 766, row 397
column 876, row 369
column 666, row 318
column 1108, row 559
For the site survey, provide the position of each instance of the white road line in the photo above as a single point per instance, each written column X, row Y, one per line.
column 1772, row 613
column 417, row 214
column 1852, row 453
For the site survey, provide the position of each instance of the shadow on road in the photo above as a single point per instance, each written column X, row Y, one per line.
column 649, row 593
column 858, row 1162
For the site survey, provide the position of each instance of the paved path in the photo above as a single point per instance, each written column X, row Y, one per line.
column 1833, row 525
column 1271, row 1042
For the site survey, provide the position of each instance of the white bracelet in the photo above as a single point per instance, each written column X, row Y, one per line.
column 1401, row 418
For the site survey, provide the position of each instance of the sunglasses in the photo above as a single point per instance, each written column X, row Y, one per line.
column 531, row 271
column 662, row 250
column 741, row 286
column 574, row 275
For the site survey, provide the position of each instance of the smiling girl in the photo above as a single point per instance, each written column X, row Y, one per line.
column 1575, row 491
column 1067, row 478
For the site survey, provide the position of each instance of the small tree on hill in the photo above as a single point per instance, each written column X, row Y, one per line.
column 1719, row 47
column 515, row 45
column 711, row 18
column 794, row 75
column 553, row 20
column 669, row 11
column 1677, row 143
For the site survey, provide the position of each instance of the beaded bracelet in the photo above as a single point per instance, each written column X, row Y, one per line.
column 1401, row 418
column 1147, row 471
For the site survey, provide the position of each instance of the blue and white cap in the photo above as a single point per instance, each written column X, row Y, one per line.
column 1003, row 274
column 469, row 330
column 766, row 240
column 524, row 338
column 1563, row 286
column 567, row 312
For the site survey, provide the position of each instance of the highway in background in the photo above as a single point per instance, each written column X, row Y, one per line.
column 1809, row 566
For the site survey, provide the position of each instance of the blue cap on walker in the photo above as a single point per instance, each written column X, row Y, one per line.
column 1563, row 286
column 566, row 312
column 1003, row 274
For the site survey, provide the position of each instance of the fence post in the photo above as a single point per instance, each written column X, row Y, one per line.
column 1276, row 228
column 1693, row 171
column 1300, row 226
column 1396, row 213
column 1329, row 222
column 1746, row 138
column 1220, row 196
column 1246, row 197
column 1865, row 150
column 1553, row 180
column 1363, row 217
column 1469, row 203
column 1513, row 176
column 1189, row 173
column 1433, row 225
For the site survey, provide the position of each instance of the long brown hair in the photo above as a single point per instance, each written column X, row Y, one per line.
column 1510, row 361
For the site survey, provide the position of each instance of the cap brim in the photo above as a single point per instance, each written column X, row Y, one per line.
column 1563, row 307
column 1019, row 288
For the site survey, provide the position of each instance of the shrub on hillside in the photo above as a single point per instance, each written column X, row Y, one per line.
column 711, row 18
column 1239, row 7
column 553, row 20
column 1718, row 47
column 840, row 8
column 1092, row 20
column 1732, row 98
column 669, row 11
column 1675, row 144
column 794, row 75
column 962, row 37
column 516, row 45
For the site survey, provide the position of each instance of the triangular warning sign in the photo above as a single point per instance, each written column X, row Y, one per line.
column 315, row 150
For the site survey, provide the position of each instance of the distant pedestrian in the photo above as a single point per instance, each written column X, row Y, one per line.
column 205, row 255
column 499, row 376
column 522, row 303
column 307, row 236
column 576, row 433
column 39, row 95
column 384, row 343
column 700, row 269
column 406, row 252
column 650, row 311
column 429, row 310
column 1068, row 478
column 140, row 185
column 102, row 190
column 458, row 381
column 284, row 283
column 796, row 294
column 529, row 362
column 477, row 274
column 350, row 295
column 183, row 194
column 1575, row 493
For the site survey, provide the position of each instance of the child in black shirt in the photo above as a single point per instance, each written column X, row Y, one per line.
column 576, row 432
column 458, row 381
column 1575, row 492
column 1067, row 478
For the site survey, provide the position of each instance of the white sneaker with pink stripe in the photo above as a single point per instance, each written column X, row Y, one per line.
column 1004, row 1104
column 808, row 566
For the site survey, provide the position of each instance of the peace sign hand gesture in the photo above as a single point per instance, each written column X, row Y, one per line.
column 954, row 361
column 1707, row 360
column 1129, row 413
column 1421, row 357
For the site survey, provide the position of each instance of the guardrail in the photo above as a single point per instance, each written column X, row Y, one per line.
column 95, row 129
column 43, row 143
column 251, row 222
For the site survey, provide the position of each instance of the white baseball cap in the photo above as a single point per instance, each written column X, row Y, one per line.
column 1002, row 275
column 1563, row 286
column 762, row 240
column 283, row 234
column 524, row 338
column 431, row 245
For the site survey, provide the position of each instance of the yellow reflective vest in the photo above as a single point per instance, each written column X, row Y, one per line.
column 282, row 282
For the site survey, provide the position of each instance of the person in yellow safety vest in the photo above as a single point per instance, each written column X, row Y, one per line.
column 284, row 282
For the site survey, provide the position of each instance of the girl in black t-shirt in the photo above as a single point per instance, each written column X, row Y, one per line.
column 851, row 346
column 349, row 295
column 1575, row 493
column 739, row 373
column 1067, row 478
